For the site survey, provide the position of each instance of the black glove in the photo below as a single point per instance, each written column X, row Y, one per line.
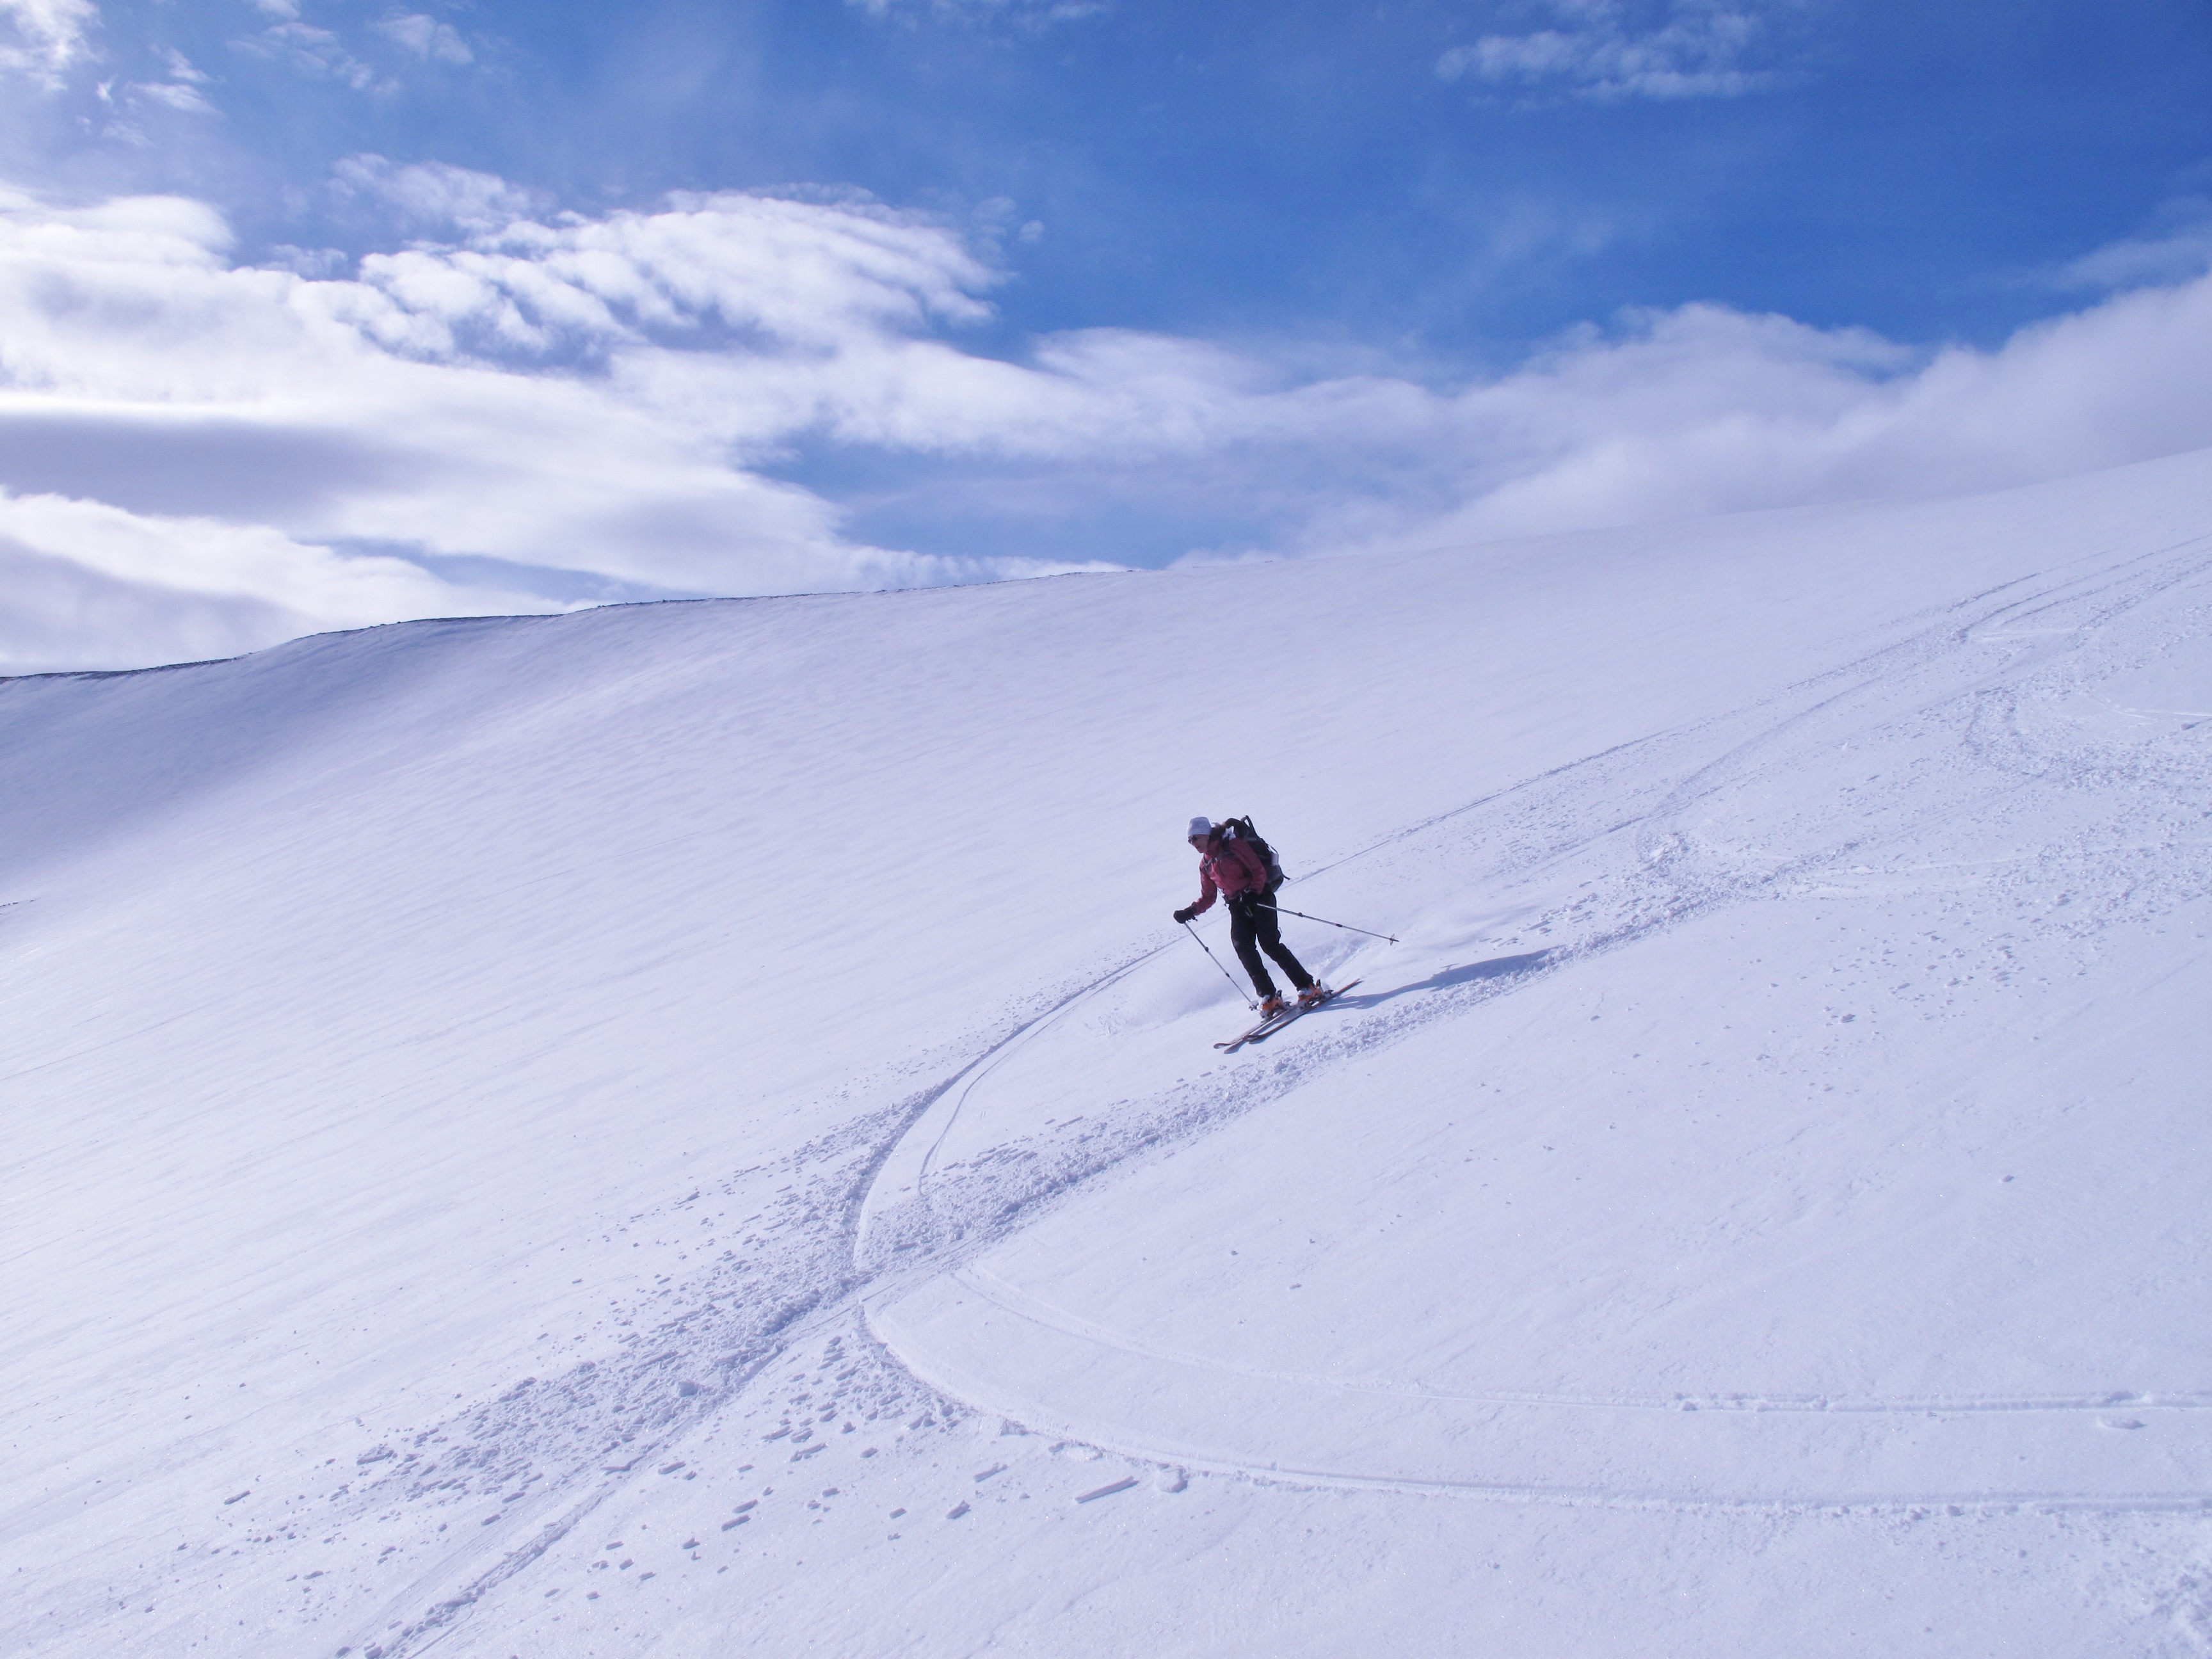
column 1184, row 914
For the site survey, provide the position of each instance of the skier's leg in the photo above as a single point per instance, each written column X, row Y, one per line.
column 1271, row 937
column 1240, row 928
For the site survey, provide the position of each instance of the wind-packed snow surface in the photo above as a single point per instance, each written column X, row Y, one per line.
column 688, row 1129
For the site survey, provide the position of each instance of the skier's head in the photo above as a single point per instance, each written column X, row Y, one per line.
column 1201, row 831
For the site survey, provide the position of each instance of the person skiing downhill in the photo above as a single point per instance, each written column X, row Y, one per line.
column 1228, row 865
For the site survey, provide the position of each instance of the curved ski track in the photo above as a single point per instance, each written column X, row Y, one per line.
column 1720, row 1450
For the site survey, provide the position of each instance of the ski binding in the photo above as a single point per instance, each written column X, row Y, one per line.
column 1275, row 1023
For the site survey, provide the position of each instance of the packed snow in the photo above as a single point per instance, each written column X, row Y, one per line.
column 688, row 1129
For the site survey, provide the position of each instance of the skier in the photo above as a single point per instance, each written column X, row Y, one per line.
column 1227, row 865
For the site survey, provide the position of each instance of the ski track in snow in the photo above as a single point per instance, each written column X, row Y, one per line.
column 1974, row 676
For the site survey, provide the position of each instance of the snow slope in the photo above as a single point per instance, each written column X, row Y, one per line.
column 687, row 1128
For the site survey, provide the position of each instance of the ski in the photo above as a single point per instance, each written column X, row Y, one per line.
column 1270, row 1026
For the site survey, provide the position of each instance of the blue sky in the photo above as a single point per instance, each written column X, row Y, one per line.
column 1285, row 170
column 1277, row 279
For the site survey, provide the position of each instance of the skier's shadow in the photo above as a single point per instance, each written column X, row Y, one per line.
column 1445, row 978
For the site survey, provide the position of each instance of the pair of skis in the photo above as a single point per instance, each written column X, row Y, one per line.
column 1275, row 1023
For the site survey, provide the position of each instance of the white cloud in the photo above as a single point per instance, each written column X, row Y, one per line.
column 177, row 95
column 2178, row 245
column 316, row 53
column 1025, row 13
column 580, row 395
column 427, row 38
column 43, row 39
column 617, row 394
column 435, row 195
column 1618, row 48
column 1706, row 410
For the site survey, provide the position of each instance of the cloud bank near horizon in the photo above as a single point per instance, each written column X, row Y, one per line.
column 202, row 455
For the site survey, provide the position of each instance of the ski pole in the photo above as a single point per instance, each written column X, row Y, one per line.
column 1216, row 961
column 1326, row 922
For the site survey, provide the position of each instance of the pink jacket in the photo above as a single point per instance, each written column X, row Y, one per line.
column 1229, row 868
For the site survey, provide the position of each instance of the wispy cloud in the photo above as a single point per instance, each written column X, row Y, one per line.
column 176, row 95
column 436, row 196
column 180, row 92
column 315, row 52
column 45, row 38
column 1021, row 14
column 426, row 37
column 182, row 69
column 2177, row 244
column 1622, row 49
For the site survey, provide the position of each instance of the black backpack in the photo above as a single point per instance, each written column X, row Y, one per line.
column 1241, row 829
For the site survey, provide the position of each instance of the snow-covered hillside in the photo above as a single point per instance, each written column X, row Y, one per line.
column 688, row 1129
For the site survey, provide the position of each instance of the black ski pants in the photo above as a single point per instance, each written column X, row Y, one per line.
column 1253, row 928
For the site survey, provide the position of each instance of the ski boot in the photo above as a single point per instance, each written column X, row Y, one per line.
column 1273, row 1007
column 1313, row 996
